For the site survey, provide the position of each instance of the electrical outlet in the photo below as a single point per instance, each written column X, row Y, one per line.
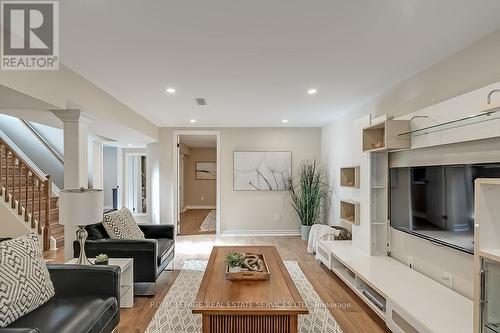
column 410, row 261
column 202, row 198
column 447, row 279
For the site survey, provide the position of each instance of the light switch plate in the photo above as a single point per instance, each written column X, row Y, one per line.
column 447, row 279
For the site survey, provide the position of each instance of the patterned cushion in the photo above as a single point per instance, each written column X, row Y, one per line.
column 121, row 224
column 24, row 278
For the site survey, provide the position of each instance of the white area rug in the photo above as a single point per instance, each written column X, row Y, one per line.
column 209, row 222
column 174, row 313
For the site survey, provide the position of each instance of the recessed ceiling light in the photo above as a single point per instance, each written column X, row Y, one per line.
column 192, row 121
column 284, row 121
column 312, row 91
column 170, row 90
column 130, row 145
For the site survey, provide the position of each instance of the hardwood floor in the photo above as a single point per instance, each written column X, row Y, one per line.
column 191, row 221
column 353, row 317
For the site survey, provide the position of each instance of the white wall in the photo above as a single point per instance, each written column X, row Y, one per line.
column 110, row 170
column 11, row 225
column 238, row 208
column 53, row 136
column 341, row 146
column 469, row 69
column 255, row 211
column 153, row 181
column 474, row 67
column 65, row 88
column 32, row 148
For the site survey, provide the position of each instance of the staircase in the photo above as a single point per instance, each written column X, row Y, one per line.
column 31, row 195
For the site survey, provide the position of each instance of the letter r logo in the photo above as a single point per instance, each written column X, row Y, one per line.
column 28, row 28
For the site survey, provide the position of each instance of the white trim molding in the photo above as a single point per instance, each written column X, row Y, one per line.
column 260, row 232
column 175, row 174
column 198, row 207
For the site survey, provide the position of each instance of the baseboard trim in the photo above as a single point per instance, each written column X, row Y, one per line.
column 260, row 233
column 198, row 207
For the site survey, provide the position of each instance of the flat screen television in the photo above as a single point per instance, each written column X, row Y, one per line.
column 437, row 202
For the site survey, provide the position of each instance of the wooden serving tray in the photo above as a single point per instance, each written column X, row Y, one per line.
column 249, row 275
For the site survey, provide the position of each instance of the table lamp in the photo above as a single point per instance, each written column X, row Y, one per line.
column 81, row 207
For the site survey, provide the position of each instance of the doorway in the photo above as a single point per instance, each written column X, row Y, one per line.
column 135, row 184
column 196, row 170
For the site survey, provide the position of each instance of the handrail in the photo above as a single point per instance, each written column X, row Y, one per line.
column 21, row 184
column 27, row 161
column 43, row 141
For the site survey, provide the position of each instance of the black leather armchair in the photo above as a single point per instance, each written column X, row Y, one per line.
column 87, row 299
column 151, row 255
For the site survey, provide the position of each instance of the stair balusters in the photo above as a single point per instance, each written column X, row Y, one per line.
column 26, row 195
column 16, row 175
column 1, row 167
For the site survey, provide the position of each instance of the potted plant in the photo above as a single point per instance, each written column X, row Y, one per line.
column 234, row 261
column 101, row 259
column 307, row 193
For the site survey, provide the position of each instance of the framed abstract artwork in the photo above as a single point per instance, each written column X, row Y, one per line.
column 205, row 170
column 261, row 170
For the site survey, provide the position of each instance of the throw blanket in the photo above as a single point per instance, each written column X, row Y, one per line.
column 320, row 232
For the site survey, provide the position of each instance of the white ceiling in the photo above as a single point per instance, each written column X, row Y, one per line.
column 254, row 60
column 199, row 140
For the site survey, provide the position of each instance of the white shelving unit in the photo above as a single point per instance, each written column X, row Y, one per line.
column 384, row 135
column 349, row 177
column 379, row 183
column 487, row 255
column 407, row 300
column 349, row 211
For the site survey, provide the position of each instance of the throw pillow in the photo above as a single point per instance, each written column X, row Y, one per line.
column 121, row 224
column 24, row 278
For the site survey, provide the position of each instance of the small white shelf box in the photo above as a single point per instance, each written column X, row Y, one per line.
column 349, row 177
column 349, row 211
column 385, row 136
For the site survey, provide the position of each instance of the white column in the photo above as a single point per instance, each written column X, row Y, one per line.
column 75, row 127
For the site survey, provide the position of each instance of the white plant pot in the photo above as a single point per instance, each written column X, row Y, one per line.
column 304, row 232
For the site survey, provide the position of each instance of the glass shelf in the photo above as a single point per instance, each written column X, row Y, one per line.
column 488, row 114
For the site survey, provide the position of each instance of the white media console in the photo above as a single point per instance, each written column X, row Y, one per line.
column 407, row 300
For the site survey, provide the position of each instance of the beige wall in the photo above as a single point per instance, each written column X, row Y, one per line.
column 199, row 191
column 242, row 212
column 262, row 211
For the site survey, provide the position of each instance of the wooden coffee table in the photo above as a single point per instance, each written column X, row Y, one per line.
column 270, row 306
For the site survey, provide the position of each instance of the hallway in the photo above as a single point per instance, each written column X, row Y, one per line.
column 192, row 220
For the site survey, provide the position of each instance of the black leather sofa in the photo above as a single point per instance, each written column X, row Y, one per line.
column 151, row 255
column 87, row 300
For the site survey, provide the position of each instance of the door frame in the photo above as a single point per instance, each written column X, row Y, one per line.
column 126, row 154
column 175, row 175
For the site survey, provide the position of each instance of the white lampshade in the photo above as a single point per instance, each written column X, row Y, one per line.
column 80, row 206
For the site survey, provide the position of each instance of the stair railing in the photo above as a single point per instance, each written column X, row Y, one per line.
column 25, row 189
